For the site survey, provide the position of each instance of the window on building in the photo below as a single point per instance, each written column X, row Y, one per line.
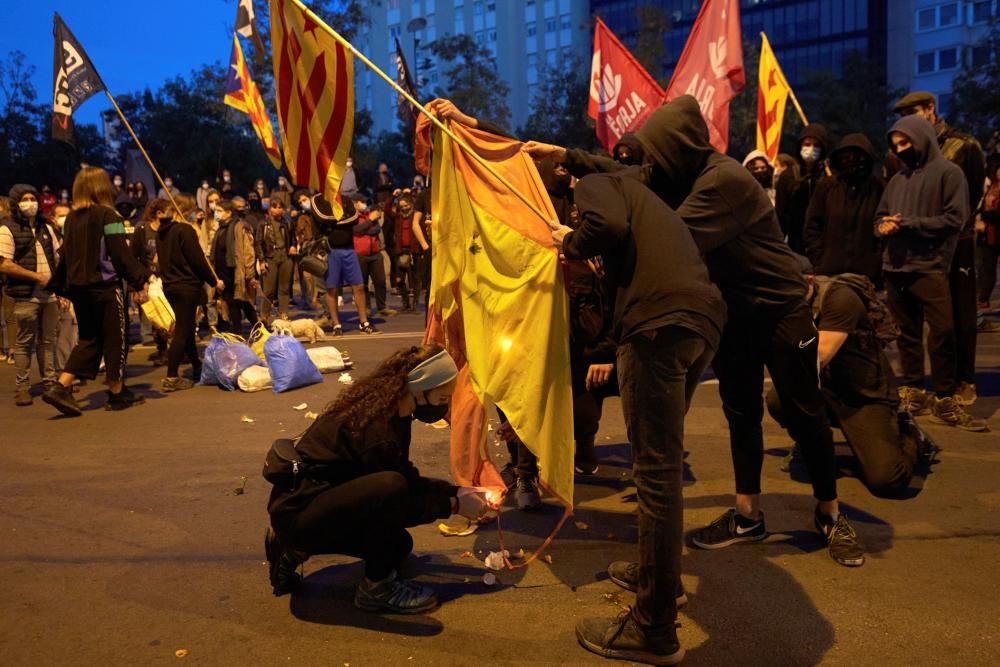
column 550, row 57
column 564, row 22
column 550, row 25
column 477, row 8
column 492, row 35
column 459, row 24
column 394, row 4
column 948, row 58
column 982, row 11
column 948, row 14
column 925, row 62
column 530, row 29
column 480, row 38
column 491, row 6
column 395, row 31
column 416, row 8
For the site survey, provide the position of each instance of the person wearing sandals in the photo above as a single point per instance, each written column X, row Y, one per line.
column 358, row 491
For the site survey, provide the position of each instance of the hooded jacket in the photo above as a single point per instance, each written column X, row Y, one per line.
column 837, row 232
column 558, row 189
column 933, row 200
column 630, row 141
column 792, row 200
column 183, row 265
column 761, row 155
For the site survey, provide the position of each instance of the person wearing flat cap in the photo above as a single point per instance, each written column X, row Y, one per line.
column 359, row 491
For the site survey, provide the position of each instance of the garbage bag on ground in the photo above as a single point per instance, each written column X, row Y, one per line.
column 227, row 356
column 329, row 359
column 290, row 365
column 255, row 378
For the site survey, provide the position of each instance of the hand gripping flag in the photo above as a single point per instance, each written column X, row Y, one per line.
column 242, row 94
column 75, row 81
column 496, row 283
column 622, row 93
column 772, row 94
column 711, row 66
column 314, row 86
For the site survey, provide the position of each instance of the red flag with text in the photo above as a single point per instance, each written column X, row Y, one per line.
column 711, row 66
column 622, row 93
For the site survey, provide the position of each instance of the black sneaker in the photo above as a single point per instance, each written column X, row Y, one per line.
column 395, row 595
column 586, row 467
column 282, row 569
column 338, row 330
column 508, row 476
column 626, row 575
column 623, row 639
column 368, row 328
column 914, row 400
column 949, row 411
column 61, row 398
column 725, row 531
column 841, row 538
column 528, row 498
column 123, row 400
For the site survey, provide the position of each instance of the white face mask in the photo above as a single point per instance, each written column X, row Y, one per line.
column 29, row 208
column 168, row 183
column 349, row 164
column 219, row 215
column 227, row 178
column 204, row 185
column 118, row 182
column 306, row 205
column 810, row 153
column 60, row 221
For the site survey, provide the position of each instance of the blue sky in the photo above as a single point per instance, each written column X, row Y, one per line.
column 133, row 44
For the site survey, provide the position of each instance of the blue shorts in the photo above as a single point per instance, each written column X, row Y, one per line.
column 343, row 268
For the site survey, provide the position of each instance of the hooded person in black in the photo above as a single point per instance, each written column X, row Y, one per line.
column 837, row 231
column 628, row 151
column 923, row 210
column 793, row 197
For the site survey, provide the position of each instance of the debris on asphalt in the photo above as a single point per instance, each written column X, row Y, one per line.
column 181, row 652
column 495, row 559
column 241, row 489
column 345, row 378
column 458, row 530
column 547, row 558
column 247, row 420
column 580, row 525
column 300, row 406
column 311, row 415
column 490, row 579
column 440, row 424
column 613, row 598
column 466, row 554
column 521, row 554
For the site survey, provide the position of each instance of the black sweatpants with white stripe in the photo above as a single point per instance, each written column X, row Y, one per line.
column 102, row 319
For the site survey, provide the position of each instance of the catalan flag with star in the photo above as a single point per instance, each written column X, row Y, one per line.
column 314, row 86
column 772, row 94
column 243, row 95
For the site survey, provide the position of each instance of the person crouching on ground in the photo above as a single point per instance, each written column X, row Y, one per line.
column 359, row 491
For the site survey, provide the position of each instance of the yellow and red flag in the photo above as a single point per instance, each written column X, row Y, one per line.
column 772, row 94
column 314, row 87
column 243, row 95
column 497, row 283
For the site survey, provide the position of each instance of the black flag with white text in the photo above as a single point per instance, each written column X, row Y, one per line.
column 75, row 81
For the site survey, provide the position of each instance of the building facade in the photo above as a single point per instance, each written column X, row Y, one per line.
column 523, row 36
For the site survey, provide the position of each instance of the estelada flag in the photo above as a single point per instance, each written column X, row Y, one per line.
column 75, row 81
column 772, row 94
column 711, row 66
column 314, row 87
column 496, row 282
column 242, row 94
column 622, row 93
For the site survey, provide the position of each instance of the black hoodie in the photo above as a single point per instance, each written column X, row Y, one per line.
column 793, row 202
column 837, row 232
column 933, row 199
column 631, row 142
column 183, row 265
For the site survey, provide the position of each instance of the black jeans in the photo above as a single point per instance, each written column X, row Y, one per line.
column 373, row 266
column 913, row 298
column 102, row 321
column 986, row 257
column 421, row 277
column 185, row 303
column 885, row 452
column 588, row 406
column 658, row 377
column 963, row 301
column 787, row 346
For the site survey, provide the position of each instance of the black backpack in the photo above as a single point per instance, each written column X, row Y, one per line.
column 283, row 465
column 883, row 324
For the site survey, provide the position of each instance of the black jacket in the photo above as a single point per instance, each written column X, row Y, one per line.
column 793, row 202
column 837, row 232
column 95, row 252
column 964, row 151
column 634, row 231
column 933, row 199
column 272, row 233
column 183, row 265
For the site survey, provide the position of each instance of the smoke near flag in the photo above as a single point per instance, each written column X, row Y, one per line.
column 75, row 81
column 242, row 94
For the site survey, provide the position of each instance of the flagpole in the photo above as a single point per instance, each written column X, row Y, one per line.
column 444, row 128
column 138, row 143
column 791, row 93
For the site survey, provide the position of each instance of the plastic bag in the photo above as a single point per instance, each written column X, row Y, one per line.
column 329, row 359
column 290, row 365
column 226, row 356
column 157, row 309
column 258, row 336
column 255, row 378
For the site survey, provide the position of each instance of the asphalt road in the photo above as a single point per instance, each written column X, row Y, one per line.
column 125, row 541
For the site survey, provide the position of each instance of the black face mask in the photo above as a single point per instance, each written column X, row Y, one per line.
column 765, row 178
column 909, row 157
column 430, row 414
column 853, row 168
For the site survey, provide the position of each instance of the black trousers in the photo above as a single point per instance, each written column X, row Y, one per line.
column 658, row 377
column 885, row 449
column 405, row 276
column 986, row 257
column 963, row 301
column 588, row 406
column 787, row 346
column 421, row 277
column 913, row 298
column 373, row 267
column 185, row 303
column 102, row 320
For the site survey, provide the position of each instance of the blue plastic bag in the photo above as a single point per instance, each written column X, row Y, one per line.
column 290, row 366
column 225, row 360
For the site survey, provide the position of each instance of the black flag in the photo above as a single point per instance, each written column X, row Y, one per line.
column 246, row 25
column 406, row 112
column 75, row 78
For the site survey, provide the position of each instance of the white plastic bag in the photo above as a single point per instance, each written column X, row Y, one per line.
column 329, row 359
column 157, row 309
column 255, row 378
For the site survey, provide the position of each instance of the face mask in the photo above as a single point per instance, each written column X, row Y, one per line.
column 282, row 182
column 260, row 188
column 166, row 217
column 204, row 185
column 29, row 208
column 306, row 205
column 810, row 153
column 227, row 178
column 118, row 182
column 909, row 157
column 219, row 216
column 764, row 178
column 853, row 168
column 169, row 184
column 60, row 221
column 405, row 210
column 349, row 164
column 430, row 414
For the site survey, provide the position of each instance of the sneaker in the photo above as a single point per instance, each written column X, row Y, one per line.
column 841, row 538
column 528, row 498
column 508, row 476
column 368, row 328
column 387, row 312
column 626, row 575
column 586, row 467
column 725, row 531
column 22, row 397
column 160, row 358
column 394, row 595
column 338, row 330
column 966, row 394
column 790, row 458
column 10, row 360
column 927, row 449
column 123, row 400
column 282, row 568
column 623, row 639
column 175, row 384
column 61, row 398
column 950, row 412
column 914, row 400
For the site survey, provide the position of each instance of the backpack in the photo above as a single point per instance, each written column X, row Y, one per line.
column 883, row 324
column 283, row 466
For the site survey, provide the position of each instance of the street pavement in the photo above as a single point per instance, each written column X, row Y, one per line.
column 133, row 538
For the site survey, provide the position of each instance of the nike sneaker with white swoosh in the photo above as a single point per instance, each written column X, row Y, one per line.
column 729, row 529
